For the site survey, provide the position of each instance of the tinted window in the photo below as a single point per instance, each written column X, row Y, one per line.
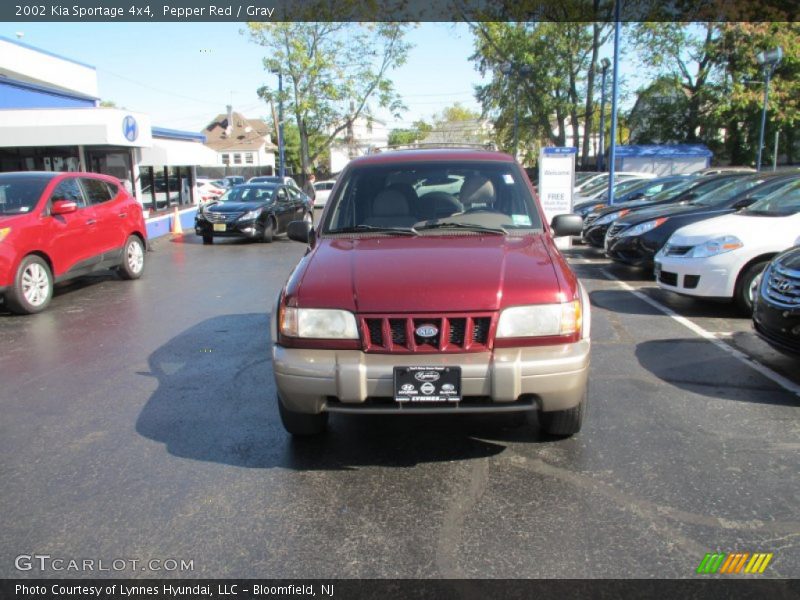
column 96, row 190
column 69, row 190
column 19, row 194
column 248, row 193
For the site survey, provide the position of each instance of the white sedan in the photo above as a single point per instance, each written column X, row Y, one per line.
column 723, row 257
column 322, row 190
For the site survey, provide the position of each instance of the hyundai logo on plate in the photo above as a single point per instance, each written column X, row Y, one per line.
column 427, row 331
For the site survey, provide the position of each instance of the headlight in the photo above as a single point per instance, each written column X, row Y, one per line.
column 250, row 215
column 539, row 320
column 606, row 219
column 4, row 233
column 718, row 245
column 319, row 323
column 642, row 227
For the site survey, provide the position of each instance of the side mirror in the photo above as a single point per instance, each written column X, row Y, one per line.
column 569, row 224
column 744, row 203
column 301, row 231
column 63, row 207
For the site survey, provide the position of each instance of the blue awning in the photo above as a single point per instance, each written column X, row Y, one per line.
column 665, row 151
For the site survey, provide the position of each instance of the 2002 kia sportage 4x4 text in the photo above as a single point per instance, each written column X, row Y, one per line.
column 432, row 284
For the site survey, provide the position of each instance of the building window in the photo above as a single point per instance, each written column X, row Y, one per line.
column 237, row 159
column 226, row 159
column 248, row 158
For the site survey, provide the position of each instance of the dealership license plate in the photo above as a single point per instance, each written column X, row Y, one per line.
column 220, row 227
column 427, row 384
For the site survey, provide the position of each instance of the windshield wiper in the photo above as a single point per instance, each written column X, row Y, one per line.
column 470, row 226
column 374, row 228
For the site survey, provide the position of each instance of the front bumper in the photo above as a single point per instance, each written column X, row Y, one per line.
column 778, row 326
column 630, row 249
column 548, row 377
column 595, row 235
column 240, row 229
column 713, row 277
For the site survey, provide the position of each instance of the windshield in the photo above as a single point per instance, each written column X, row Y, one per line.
column 248, row 193
column 783, row 202
column 19, row 194
column 726, row 192
column 490, row 197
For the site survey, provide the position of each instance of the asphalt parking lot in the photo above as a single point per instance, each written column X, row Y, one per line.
column 139, row 422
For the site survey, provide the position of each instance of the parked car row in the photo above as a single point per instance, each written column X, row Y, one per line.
column 712, row 236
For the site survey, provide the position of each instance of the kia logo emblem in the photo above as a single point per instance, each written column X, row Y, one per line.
column 130, row 129
column 427, row 331
column 426, row 376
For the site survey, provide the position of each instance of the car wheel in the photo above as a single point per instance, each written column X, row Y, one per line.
column 269, row 231
column 132, row 265
column 302, row 424
column 33, row 287
column 747, row 287
column 208, row 240
column 564, row 422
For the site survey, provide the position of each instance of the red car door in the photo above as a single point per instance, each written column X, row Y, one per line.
column 107, row 202
column 70, row 239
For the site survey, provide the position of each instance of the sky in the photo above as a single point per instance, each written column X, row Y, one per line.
column 184, row 74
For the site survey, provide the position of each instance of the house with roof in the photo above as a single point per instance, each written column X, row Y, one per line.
column 240, row 142
column 363, row 134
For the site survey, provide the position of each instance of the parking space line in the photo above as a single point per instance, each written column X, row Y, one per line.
column 777, row 378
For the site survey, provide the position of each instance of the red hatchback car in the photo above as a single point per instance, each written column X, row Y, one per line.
column 55, row 226
column 432, row 285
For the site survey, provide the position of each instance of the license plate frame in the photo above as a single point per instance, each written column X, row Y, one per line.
column 421, row 385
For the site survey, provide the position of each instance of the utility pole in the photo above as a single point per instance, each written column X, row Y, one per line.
column 281, row 155
column 768, row 61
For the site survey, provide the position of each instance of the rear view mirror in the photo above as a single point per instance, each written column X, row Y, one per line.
column 568, row 224
column 63, row 207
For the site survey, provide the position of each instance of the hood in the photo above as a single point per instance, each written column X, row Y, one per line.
column 646, row 214
column 443, row 273
column 791, row 259
column 233, row 207
column 761, row 231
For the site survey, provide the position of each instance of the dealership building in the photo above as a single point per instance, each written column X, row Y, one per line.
column 51, row 120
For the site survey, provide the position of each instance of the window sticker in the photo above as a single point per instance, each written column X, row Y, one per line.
column 521, row 220
column 508, row 178
column 24, row 208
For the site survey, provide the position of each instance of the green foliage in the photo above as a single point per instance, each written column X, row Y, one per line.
column 331, row 72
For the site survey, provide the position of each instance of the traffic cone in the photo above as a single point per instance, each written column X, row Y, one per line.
column 176, row 223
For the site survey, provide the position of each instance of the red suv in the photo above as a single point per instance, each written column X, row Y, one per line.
column 55, row 226
column 432, row 285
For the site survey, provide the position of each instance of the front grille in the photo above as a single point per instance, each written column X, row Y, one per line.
column 615, row 229
column 454, row 333
column 783, row 286
column 677, row 250
column 217, row 217
column 668, row 278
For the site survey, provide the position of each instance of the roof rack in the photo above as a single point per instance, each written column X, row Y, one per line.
column 432, row 146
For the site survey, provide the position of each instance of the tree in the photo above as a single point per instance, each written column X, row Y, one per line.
column 331, row 72
column 555, row 100
column 406, row 137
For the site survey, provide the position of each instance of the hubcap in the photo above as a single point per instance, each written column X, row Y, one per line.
column 135, row 257
column 35, row 284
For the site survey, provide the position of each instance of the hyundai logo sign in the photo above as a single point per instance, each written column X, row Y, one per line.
column 130, row 129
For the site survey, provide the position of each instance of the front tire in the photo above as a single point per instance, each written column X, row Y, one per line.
column 564, row 422
column 132, row 265
column 33, row 287
column 269, row 231
column 747, row 287
column 302, row 424
column 208, row 240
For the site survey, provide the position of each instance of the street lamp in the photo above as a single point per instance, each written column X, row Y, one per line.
column 603, row 68
column 768, row 61
column 508, row 69
column 281, row 160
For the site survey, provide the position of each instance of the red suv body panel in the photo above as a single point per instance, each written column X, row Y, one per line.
column 72, row 241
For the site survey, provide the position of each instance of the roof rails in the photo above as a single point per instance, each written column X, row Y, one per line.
column 432, row 146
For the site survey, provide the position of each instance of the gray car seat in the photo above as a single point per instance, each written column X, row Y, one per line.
column 390, row 208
